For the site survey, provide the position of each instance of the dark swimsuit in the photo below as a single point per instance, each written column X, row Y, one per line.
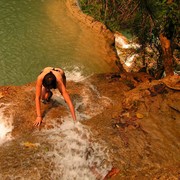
column 56, row 70
column 53, row 70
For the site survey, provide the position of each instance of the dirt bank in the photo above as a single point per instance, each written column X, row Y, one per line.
column 97, row 27
column 89, row 21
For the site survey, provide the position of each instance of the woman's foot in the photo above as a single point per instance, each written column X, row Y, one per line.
column 47, row 97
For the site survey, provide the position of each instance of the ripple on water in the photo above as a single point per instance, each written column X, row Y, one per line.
column 35, row 34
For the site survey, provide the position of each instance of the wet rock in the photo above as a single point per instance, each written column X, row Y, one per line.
column 1, row 95
column 112, row 173
column 137, row 128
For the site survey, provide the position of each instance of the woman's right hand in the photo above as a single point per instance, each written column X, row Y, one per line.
column 38, row 121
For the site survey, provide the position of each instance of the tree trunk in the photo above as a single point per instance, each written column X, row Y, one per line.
column 105, row 13
column 167, row 54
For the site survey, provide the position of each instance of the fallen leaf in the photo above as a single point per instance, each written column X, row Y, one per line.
column 29, row 144
column 126, row 114
column 139, row 115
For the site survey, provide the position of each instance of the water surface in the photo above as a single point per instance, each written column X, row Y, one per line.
column 35, row 34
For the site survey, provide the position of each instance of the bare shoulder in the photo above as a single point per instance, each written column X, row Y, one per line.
column 41, row 76
column 44, row 72
column 47, row 69
column 58, row 77
column 60, row 70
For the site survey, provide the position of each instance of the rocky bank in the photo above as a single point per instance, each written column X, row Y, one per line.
column 142, row 126
column 139, row 124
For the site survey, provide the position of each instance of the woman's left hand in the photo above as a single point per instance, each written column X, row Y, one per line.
column 38, row 121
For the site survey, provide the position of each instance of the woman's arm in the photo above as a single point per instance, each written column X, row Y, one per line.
column 37, row 101
column 66, row 96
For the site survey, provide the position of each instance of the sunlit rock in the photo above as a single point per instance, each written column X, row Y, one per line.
column 126, row 51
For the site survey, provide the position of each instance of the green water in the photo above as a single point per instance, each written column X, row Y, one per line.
column 39, row 33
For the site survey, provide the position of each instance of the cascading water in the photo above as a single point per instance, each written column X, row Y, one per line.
column 73, row 154
column 65, row 150
column 5, row 124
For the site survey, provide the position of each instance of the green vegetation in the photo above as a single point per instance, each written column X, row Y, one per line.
column 155, row 23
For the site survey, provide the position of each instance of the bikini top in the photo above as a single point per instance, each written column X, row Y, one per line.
column 56, row 70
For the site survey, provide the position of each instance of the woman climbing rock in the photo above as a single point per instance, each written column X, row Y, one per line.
column 51, row 78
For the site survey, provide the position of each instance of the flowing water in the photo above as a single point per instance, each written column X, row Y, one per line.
column 35, row 34
column 5, row 125
column 62, row 151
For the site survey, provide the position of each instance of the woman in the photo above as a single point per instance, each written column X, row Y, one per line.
column 51, row 78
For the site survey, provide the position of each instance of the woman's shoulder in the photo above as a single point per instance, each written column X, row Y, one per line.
column 40, row 76
column 46, row 70
column 43, row 73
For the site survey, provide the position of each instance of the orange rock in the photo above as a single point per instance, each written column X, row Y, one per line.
column 30, row 145
column 113, row 172
column 1, row 95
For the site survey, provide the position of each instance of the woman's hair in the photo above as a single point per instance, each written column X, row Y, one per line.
column 49, row 81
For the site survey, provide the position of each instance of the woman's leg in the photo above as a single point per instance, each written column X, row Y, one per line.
column 46, row 94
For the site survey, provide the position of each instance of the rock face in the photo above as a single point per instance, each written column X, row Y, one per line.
column 126, row 51
column 139, row 125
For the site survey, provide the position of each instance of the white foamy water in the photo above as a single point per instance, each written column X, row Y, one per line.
column 5, row 125
column 75, row 155
column 130, row 59
column 124, row 43
column 75, row 75
column 121, row 43
column 92, row 102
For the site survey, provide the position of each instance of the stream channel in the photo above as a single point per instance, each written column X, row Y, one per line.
column 35, row 34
